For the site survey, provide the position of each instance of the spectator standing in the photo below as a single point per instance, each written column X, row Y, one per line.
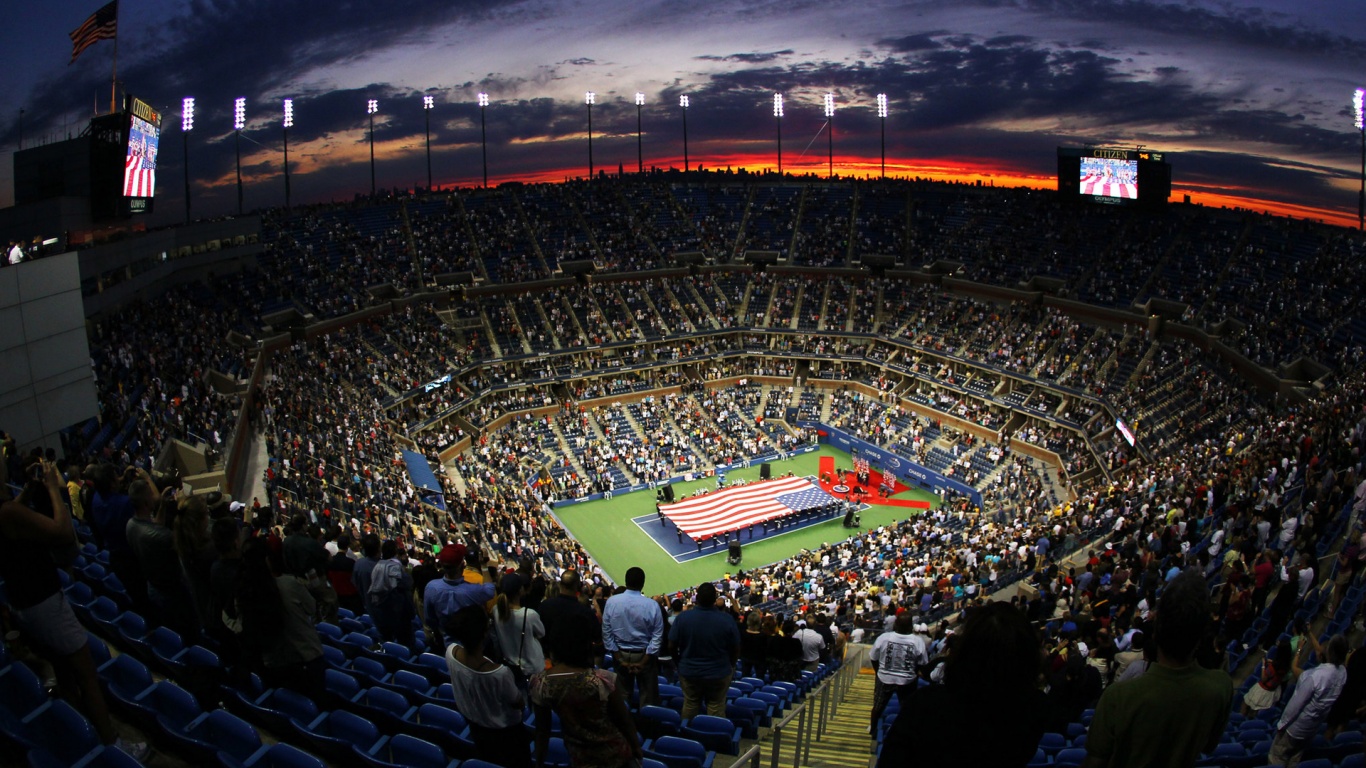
column 995, row 661
column 1175, row 710
column 278, row 618
column 708, row 643
column 897, row 658
column 1316, row 690
column 595, row 722
column 632, row 631
column 365, row 568
column 32, row 529
column 562, row 605
column 518, row 628
column 485, row 692
column 341, row 573
column 812, row 645
column 391, row 596
column 448, row 594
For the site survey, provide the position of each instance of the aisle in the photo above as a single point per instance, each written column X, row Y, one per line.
column 845, row 743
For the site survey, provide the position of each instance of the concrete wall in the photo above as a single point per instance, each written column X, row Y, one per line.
column 46, row 383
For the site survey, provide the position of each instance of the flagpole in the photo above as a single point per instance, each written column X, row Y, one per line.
column 114, row 81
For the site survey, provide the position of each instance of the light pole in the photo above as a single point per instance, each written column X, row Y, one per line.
column 427, row 103
column 1360, row 108
column 187, row 125
column 683, row 103
column 778, row 118
column 830, row 133
column 371, row 107
column 483, row 137
column 589, row 98
column 640, row 157
column 289, row 123
column 882, row 117
column 239, row 121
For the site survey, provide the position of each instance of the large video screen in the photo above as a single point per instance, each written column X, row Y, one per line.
column 140, row 164
column 1109, row 178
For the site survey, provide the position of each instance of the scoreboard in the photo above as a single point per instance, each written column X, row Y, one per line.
column 1115, row 176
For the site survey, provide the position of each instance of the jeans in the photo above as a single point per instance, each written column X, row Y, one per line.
column 709, row 689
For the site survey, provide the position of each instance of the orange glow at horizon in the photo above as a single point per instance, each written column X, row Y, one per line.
column 332, row 153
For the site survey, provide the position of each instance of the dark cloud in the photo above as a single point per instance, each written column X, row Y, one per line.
column 750, row 58
column 1231, row 25
column 1002, row 41
column 924, row 41
column 582, row 61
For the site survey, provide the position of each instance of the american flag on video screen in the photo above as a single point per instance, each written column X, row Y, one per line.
column 746, row 505
column 102, row 25
column 140, row 166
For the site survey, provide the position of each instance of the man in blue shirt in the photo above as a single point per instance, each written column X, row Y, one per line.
column 707, row 643
column 632, row 631
column 448, row 594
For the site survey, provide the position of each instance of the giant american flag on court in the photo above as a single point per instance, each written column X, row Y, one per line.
column 102, row 25
column 746, row 505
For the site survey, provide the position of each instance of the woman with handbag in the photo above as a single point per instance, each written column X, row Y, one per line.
column 485, row 692
column 518, row 629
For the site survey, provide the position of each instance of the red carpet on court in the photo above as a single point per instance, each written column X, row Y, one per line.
column 827, row 470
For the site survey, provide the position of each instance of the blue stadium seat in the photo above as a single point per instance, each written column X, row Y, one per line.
column 275, row 756
column 716, row 734
column 333, row 734
column 124, row 678
column 655, row 721
column 387, row 709
column 1069, row 757
column 59, row 730
column 404, row 751
column 677, row 752
column 444, row 727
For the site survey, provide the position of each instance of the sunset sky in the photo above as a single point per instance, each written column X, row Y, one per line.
column 1252, row 101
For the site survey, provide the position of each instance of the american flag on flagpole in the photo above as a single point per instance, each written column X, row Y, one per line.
column 746, row 505
column 102, row 25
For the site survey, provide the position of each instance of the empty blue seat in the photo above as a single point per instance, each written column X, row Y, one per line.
column 716, row 734
column 388, row 709
column 59, row 730
column 654, row 721
column 333, row 734
column 405, row 751
column 677, row 752
column 370, row 668
column 341, row 688
column 106, row 756
column 1069, row 757
column 442, row 726
column 276, row 707
column 165, row 699
column 1052, row 743
column 165, row 645
column 132, row 628
column 275, row 756
column 124, row 678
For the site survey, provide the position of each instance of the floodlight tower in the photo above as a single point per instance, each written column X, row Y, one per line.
column 830, row 133
column 778, row 118
column 187, row 125
column 882, row 117
column 483, row 136
column 371, row 107
column 239, row 121
column 640, row 156
column 1359, row 106
column 590, row 99
column 427, row 103
column 683, row 103
column 289, row 123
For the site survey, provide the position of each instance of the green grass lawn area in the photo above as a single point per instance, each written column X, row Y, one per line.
column 604, row 528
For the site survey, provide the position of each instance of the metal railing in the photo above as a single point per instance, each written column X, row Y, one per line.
column 811, row 716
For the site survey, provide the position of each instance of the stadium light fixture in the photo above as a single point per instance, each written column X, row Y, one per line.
column 239, row 121
column 882, row 118
column 371, row 107
column 830, row 132
column 427, row 103
column 483, row 136
column 640, row 157
column 590, row 98
column 187, row 125
column 288, row 123
column 1359, row 107
column 683, row 104
column 778, row 118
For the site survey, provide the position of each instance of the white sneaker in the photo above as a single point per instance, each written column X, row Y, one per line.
column 138, row 750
